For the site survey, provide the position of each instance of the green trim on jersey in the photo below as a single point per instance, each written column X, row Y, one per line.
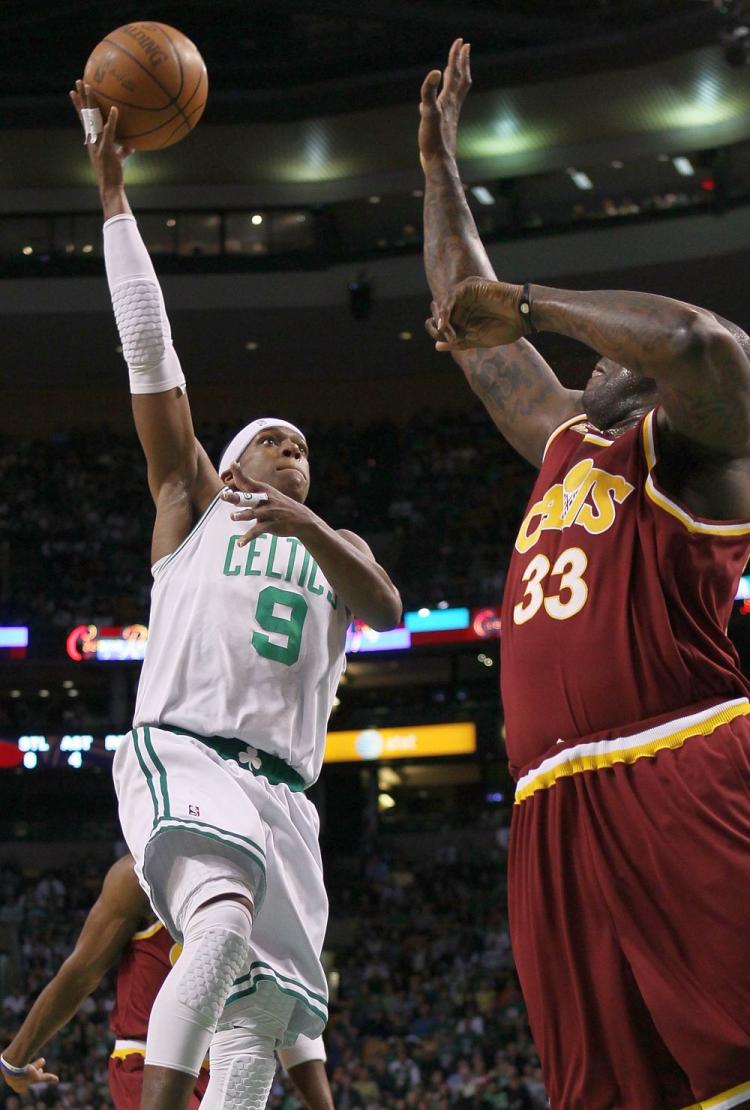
column 230, row 748
column 198, row 524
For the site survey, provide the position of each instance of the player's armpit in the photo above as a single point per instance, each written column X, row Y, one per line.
column 521, row 393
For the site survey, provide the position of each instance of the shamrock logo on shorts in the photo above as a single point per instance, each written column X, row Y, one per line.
column 250, row 758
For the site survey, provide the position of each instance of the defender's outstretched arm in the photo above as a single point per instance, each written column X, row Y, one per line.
column 516, row 385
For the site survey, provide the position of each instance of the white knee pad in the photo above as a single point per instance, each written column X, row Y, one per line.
column 189, row 1004
column 242, row 1070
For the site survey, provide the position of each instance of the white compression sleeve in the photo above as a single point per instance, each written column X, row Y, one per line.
column 301, row 1052
column 139, row 309
column 187, row 1008
column 242, row 1070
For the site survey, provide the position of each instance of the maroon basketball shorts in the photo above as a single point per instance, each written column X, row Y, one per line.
column 126, row 1082
column 630, row 912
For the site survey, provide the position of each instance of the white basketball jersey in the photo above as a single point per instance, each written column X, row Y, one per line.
column 244, row 642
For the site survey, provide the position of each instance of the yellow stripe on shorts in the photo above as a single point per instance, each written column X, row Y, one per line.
column 597, row 754
column 735, row 1096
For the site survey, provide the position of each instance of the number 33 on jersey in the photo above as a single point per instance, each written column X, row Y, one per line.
column 610, row 614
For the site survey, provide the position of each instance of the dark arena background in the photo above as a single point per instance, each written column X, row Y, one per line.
column 605, row 144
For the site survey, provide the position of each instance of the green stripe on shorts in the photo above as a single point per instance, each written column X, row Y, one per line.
column 212, row 832
column 159, row 767
column 147, row 774
column 287, row 978
column 272, row 978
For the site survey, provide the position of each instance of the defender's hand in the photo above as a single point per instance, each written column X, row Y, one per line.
column 440, row 111
column 479, row 313
column 105, row 156
column 272, row 511
column 33, row 1073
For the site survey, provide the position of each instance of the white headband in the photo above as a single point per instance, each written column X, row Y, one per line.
column 233, row 451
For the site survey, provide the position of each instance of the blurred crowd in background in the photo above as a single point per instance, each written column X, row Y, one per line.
column 426, row 1012
column 439, row 498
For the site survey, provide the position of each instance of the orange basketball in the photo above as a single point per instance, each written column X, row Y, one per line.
column 157, row 79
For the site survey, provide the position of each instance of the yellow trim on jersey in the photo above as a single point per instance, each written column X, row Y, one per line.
column 593, row 755
column 735, row 1096
column 659, row 498
column 579, row 419
column 151, row 931
column 598, row 441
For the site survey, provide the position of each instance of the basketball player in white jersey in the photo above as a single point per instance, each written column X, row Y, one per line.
column 246, row 647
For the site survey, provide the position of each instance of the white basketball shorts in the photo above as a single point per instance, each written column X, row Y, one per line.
column 205, row 817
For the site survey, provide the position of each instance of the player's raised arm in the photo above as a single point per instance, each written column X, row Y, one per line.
column 700, row 364
column 181, row 479
column 516, row 385
column 113, row 919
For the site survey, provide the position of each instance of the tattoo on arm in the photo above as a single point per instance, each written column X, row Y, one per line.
column 520, row 393
column 452, row 247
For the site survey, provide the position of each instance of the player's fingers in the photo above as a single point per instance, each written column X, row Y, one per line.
column 455, row 345
column 251, row 512
column 454, row 56
column 465, row 67
column 428, row 92
column 431, row 328
column 108, row 131
column 253, row 533
column 48, row 1077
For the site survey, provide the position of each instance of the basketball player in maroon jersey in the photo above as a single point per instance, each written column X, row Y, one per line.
column 114, row 933
column 626, row 710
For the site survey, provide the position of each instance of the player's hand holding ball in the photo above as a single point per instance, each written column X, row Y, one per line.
column 272, row 511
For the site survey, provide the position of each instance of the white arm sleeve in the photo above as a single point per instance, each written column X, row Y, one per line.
column 301, row 1052
column 139, row 309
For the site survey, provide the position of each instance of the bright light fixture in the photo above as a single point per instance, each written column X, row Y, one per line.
column 581, row 179
column 482, row 194
column 683, row 166
column 256, row 220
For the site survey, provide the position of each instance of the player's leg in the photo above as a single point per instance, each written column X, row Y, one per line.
column 186, row 1011
column 597, row 1043
column 125, row 1080
column 199, row 848
column 243, row 1065
column 674, row 867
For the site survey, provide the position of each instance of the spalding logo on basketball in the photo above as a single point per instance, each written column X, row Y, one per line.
column 157, row 79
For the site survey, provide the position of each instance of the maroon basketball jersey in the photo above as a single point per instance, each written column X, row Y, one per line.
column 144, row 966
column 617, row 599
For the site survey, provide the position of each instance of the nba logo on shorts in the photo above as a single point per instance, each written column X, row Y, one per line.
column 194, row 811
